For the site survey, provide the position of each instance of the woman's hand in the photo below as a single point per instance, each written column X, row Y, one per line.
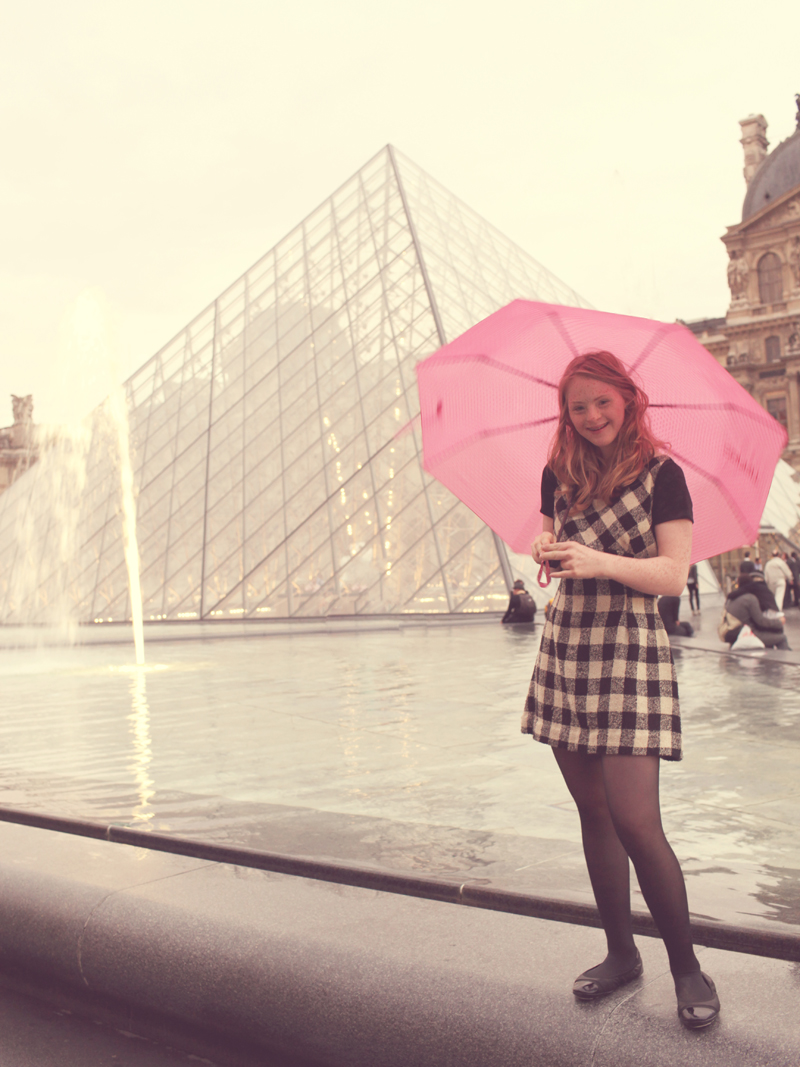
column 576, row 560
column 661, row 575
column 547, row 537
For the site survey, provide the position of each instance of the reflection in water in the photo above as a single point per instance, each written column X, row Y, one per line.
column 401, row 748
column 142, row 747
column 376, row 728
column 783, row 895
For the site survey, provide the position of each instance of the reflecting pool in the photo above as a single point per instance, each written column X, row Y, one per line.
column 399, row 748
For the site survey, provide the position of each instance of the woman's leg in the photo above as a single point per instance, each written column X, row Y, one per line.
column 606, row 859
column 631, row 785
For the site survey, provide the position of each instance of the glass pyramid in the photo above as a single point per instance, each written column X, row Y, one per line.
column 276, row 470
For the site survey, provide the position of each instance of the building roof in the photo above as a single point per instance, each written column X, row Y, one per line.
column 701, row 326
column 778, row 173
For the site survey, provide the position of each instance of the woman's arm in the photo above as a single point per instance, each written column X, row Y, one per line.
column 661, row 575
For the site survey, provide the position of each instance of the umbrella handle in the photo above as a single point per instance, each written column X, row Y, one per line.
column 546, row 568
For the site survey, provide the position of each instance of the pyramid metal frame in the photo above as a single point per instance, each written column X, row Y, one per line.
column 276, row 461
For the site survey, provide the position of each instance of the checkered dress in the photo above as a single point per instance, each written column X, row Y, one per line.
column 604, row 681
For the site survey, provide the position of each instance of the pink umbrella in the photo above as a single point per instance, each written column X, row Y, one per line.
column 489, row 407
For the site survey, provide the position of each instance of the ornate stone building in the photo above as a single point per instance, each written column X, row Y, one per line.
column 759, row 338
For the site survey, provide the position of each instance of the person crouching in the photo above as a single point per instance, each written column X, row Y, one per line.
column 752, row 602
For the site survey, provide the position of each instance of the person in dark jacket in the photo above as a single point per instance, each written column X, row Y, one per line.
column 668, row 608
column 754, row 582
column 692, row 584
column 754, row 605
column 521, row 605
column 794, row 567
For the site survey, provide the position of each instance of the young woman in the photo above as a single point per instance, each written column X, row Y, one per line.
column 618, row 532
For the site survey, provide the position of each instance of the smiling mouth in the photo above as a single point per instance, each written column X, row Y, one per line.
column 597, row 429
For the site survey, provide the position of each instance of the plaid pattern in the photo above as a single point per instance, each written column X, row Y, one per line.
column 604, row 680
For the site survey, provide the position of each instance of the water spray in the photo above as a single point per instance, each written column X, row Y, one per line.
column 118, row 410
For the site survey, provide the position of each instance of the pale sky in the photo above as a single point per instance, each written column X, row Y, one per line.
column 152, row 151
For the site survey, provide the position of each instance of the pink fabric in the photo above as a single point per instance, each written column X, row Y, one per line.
column 489, row 407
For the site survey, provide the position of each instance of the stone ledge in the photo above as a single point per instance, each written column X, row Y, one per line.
column 301, row 972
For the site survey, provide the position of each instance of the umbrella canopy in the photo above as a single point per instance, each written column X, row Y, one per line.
column 489, row 408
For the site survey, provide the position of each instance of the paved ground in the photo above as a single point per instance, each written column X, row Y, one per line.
column 35, row 1034
column 318, row 973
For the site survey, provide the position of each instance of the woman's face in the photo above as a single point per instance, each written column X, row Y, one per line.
column 597, row 412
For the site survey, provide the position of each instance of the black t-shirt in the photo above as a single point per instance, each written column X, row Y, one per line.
column 671, row 498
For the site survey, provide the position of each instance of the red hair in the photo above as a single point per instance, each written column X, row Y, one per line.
column 576, row 462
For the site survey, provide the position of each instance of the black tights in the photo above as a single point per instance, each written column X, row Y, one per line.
column 617, row 799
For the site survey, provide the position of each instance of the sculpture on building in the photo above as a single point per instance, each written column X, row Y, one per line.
column 737, row 275
column 22, row 407
column 18, row 448
column 22, row 430
column 794, row 260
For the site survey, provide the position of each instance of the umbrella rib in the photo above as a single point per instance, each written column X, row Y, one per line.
column 555, row 318
column 481, row 434
column 480, row 357
column 731, row 500
column 726, row 405
column 653, row 343
column 760, row 417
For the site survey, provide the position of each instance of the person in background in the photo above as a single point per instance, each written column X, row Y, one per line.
column 753, row 605
column 777, row 576
column 794, row 567
column 759, row 566
column 669, row 608
column 521, row 605
column 788, row 596
column 694, row 592
column 747, row 566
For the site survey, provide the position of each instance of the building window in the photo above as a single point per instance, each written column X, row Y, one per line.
column 776, row 406
column 770, row 280
column 773, row 347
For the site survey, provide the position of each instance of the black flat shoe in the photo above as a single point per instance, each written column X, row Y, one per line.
column 695, row 1014
column 592, row 987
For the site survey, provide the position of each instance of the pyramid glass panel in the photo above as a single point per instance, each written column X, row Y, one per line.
column 473, row 268
column 276, row 459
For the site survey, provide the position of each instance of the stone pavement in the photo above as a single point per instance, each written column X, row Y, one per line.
column 34, row 1033
column 245, row 968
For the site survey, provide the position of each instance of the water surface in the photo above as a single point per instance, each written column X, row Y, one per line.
column 399, row 748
